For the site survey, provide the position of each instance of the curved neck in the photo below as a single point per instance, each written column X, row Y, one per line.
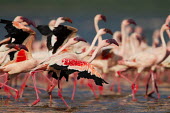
column 58, row 22
column 91, row 47
column 162, row 38
column 132, row 44
column 94, row 54
column 97, row 29
column 29, row 41
column 124, row 35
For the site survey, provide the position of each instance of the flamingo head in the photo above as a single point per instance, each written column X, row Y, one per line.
column 100, row 17
column 75, row 40
column 104, row 31
column 64, row 19
column 128, row 22
column 167, row 28
column 25, row 21
column 79, row 39
column 112, row 41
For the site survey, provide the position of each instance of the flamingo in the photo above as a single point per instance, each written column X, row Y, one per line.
column 14, row 31
column 25, row 64
column 81, row 46
column 153, row 58
column 55, row 38
column 52, row 63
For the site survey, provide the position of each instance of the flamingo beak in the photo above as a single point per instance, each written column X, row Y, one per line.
column 67, row 19
column 108, row 31
column 112, row 41
column 29, row 22
column 103, row 18
column 131, row 21
column 80, row 39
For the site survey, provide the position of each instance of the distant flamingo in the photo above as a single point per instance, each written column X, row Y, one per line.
column 153, row 58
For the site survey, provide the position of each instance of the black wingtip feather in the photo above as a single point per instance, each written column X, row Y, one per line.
column 97, row 80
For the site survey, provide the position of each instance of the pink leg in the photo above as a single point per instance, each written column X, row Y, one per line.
column 112, row 84
column 154, row 84
column 118, row 85
column 119, row 73
column 35, row 87
column 27, row 76
column 100, row 90
column 60, row 95
column 51, row 88
column 90, row 85
column 147, row 85
column 8, row 87
column 74, row 87
column 134, row 87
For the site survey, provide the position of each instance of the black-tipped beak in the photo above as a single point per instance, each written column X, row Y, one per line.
column 131, row 21
column 67, row 19
column 80, row 39
column 112, row 41
column 108, row 31
column 103, row 18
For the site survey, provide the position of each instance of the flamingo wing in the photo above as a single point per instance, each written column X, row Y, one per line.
column 85, row 69
column 44, row 29
column 5, row 21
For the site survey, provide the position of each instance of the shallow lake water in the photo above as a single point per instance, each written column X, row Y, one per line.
column 85, row 102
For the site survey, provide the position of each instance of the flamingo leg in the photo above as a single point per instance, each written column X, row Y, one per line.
column 8, row 87
column 147, row 85
column 35, row 87
column 118, row 85
column 5, row 75
column 61, row 96
column 119, row 73
column 24, row 84
column 134, row 87
column 154, row 84
column 90, row 85
column 74, row 87
column 51, row 88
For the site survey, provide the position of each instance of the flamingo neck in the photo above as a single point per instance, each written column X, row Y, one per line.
column 97, row 29
column 132, row 44
column 124, row 35
column 162, row 38
column 29, row 41
column 91, row 47
column 94, row 54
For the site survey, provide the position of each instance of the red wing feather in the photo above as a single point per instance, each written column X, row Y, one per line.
column 21, row 56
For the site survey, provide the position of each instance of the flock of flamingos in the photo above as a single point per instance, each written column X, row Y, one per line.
column 62, row 55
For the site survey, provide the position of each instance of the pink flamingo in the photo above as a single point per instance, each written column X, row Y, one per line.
column 153, row 58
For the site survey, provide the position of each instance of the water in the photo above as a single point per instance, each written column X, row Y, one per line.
column 85, row 102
